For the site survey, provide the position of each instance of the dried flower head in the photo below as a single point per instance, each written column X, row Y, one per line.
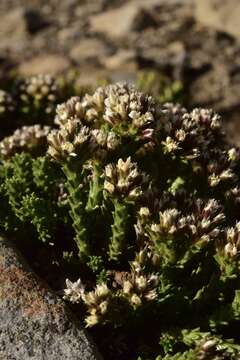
column 232, row 245
column 71, row 140
column 71, row 109
column 124, row 179
column 97, row 302
column 121, row 106
column 7, row 104
column 169, row 223
column 139, row 287
column 74, row 291
column 206, row 220
column 212, row 349
column 129, row 108
column 28, row 138
column 40, row 92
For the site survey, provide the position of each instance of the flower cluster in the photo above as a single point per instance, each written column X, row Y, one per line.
column 136, row 287
column 232, row 241
column 124, row 179
column 195, row 138
column 31, row 100
column 28, row 138
column 70, row 141
column 190, row 132
column 125, row 106
column 199, row 221
column 74, row 291
column 139, row 286
column 38, row 93
column 212, row 349
column 6, row 103
column 105, row 142
column 71, row 109
column 119, row 106
column 97, row 301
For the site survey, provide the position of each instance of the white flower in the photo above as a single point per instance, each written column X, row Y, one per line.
column 109, row 171
column 109, row 187
column 135, row 300
column 127, row 287
column 141, row 282
column 144, row 212
column 170, row 144
column 74, row 291
column 232, row 154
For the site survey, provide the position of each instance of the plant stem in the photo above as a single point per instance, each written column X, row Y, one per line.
column 95, row 190
column 77, row 212
column 119, row 229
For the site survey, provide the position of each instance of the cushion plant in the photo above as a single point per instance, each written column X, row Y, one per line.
column 147, row 198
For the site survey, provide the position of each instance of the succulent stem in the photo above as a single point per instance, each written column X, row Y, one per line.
column 76, row 201
column 95, row 189
column 119, row 229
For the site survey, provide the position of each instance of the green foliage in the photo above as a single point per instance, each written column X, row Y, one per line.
column 119, row 230
column 37, row 212
column 77, row 204
column 29, row 190
column 152, row 82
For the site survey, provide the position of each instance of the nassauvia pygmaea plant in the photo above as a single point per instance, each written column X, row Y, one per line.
column 37, row 97
column 150, row 193
column 160, row 179
column 92, row 132
column 28, row 138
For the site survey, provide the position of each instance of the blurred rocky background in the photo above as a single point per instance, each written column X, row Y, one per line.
column 195, row 42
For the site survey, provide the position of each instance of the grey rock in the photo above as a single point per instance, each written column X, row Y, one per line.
column 119, row 22
column 35, row 324
column 44, row 64
column 13, row 24
column 213, row 71
column 222, row 15
column 70, row 34
column 123, row 59
column 90, row 50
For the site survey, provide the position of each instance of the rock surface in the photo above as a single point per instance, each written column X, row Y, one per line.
column 222, row 15
column 35, row 324
column 122, row 59
column 44, row 64
column 13, row 23
column 90, row 51
column 137, row 16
